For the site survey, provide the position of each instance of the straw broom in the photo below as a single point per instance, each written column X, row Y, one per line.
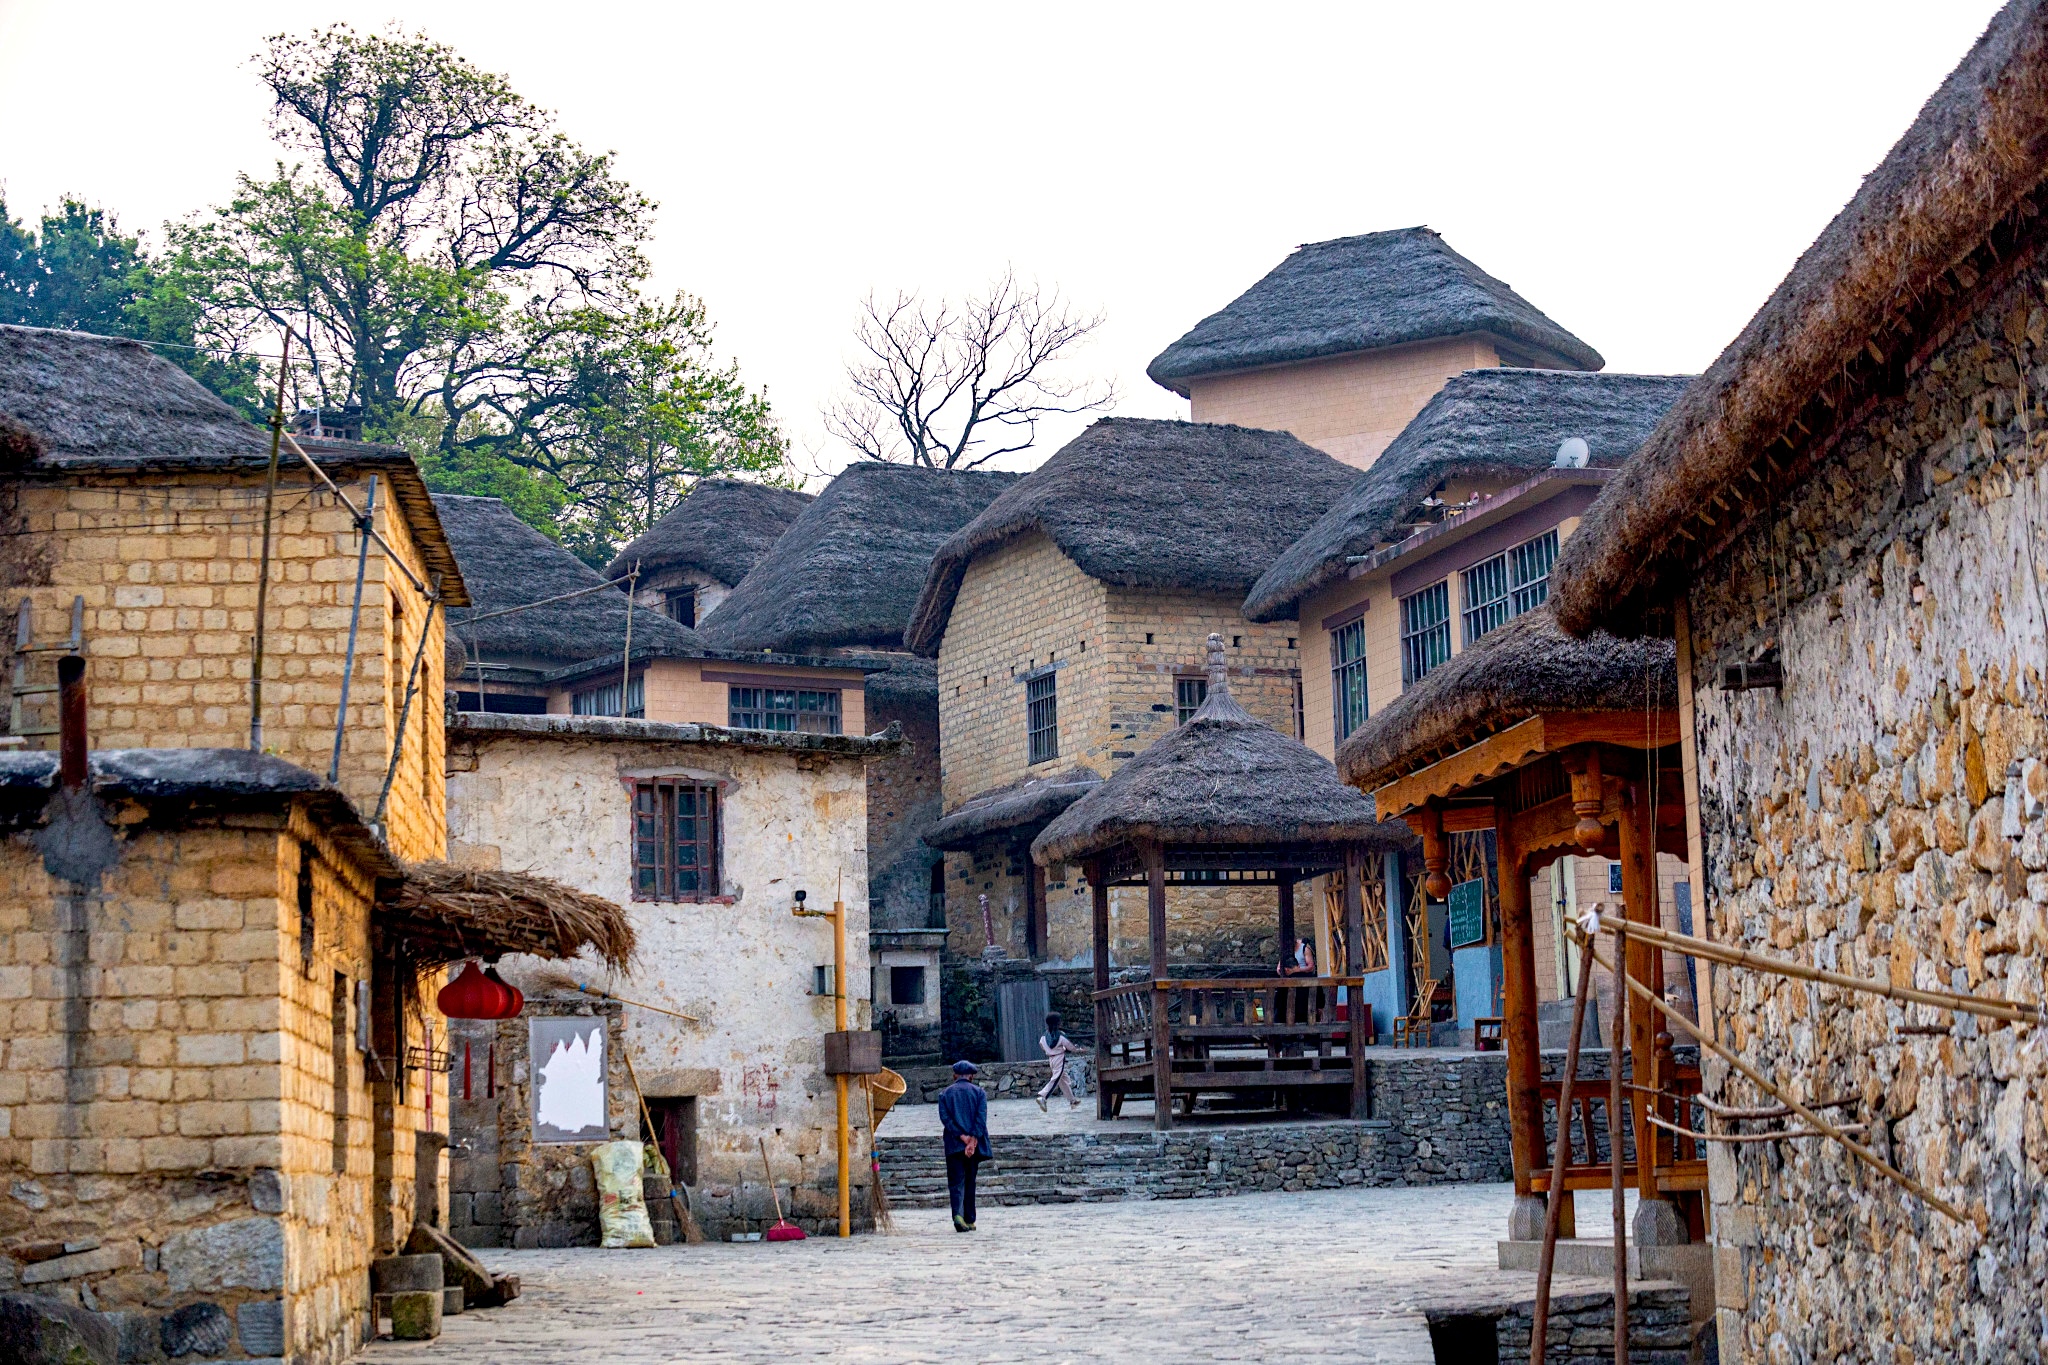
column 878, row 1198
column 692, row 1234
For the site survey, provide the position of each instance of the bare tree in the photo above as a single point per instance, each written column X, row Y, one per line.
column 954, row 386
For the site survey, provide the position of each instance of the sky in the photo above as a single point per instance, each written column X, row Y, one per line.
column 1643, row 173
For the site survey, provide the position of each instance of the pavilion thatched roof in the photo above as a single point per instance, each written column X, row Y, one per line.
column 1359, row 294
column 1525, row 667
column 1026, row 804
column 1223, row 778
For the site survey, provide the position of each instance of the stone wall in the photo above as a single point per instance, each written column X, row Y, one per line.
column 167, row 565
column 1581, row 1327
column 505, row 1189
column 1883, row 815
column 1002, row 1080
column 751, row 1057
column 169, row 1104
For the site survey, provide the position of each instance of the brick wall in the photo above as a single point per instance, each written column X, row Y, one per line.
column 167, row 565
column 168, row 1087
column 1886, row 814
column 1351, row 406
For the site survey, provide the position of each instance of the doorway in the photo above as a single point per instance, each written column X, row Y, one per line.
column 675, row 1133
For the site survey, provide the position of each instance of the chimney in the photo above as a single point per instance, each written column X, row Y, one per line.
column 71, row 747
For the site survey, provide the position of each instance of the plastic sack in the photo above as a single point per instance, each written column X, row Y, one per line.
column 621, row 1207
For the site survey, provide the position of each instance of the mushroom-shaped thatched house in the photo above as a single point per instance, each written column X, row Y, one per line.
column 1558, row 747
column 1226, row 799
column 690, row 559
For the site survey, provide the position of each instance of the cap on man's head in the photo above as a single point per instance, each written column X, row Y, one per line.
column 964, row 1068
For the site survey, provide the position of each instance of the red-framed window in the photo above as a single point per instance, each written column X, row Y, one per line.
column 675, row 840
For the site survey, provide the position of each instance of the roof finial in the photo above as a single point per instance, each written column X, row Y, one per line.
column 1219, row 671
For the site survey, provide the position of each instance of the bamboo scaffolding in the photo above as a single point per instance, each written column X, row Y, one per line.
column 1742, row 957
column 1590, row 925
column 1657, row 1120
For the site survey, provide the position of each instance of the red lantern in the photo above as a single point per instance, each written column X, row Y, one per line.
column 517, row 996
column 472, row 995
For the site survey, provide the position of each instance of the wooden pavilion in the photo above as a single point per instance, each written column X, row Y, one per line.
column 1558, row 746
column 1225, row 800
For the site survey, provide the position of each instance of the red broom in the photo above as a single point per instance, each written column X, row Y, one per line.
column 784, row 1230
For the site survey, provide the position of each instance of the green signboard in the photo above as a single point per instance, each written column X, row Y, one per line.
column 1468, row 914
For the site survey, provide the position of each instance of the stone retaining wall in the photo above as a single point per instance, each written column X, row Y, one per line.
column 1581, row 1327
column 1002, row 1080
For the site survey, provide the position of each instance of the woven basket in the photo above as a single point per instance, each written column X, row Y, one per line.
column 884, row 1089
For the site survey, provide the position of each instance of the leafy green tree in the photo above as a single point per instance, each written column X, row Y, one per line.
column 78, row 272
column 449, row 260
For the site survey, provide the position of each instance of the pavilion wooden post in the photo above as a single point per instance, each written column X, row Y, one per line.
column 1162, row 1031
column 1093, row 871
column 1287, row 930
column 1639, row 900
column 1518, row 990
column 1354, row 967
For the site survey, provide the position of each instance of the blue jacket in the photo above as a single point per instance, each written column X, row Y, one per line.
column 963, row 1112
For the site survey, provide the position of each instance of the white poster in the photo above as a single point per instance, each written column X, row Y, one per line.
column 568, row 1080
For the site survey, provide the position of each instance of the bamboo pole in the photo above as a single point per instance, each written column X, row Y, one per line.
column 1615, row 1115
column 1668, row 1126
column 1553, row 1208
column 839, row 1021
column 1742, row 957
column 1756, row 1078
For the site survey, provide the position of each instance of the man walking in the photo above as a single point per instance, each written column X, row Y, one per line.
column 963, row 1114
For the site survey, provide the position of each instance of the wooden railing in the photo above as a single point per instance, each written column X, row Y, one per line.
column 1680, row 1163
column 1206, row 1013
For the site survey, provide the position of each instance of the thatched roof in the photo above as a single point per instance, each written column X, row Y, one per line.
column 74, row 403
column 441, row 913
column 1195, row 506
column 907, row 682
column 1359, row 294
column 1525, row 667
column 1867, row 284
column 507, row 564
column 1026, row 805
column 846, row 575
column 722, row 528
column 1223, row 778
column 1484, row 424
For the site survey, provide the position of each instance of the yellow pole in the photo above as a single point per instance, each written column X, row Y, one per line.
column 839, row 1081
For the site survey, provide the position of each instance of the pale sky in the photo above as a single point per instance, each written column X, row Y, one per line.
column 1644, row 173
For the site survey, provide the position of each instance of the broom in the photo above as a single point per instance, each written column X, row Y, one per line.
column 878, row 1198
column 555, row 979
column 685, row 1220
column 784, row 1230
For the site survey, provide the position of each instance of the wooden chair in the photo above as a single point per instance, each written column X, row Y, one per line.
column 1412, row 1029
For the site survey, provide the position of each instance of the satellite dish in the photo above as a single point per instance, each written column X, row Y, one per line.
column 1572, row 453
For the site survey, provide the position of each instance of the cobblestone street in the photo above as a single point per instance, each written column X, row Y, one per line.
column 1322, row 1276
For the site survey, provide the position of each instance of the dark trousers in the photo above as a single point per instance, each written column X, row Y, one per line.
column 960, row 1183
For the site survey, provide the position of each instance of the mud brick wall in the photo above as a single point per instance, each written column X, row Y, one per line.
column 167, row 565
column 169, row 1101
column 1883, row 815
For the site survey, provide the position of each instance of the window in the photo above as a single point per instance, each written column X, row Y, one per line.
column 1042, row 718
column 680, row 605
column 778, row 708
column 1188, row 696
column 1347, row 677
column 1425, row 631
column 604, row 701
column 675, row 840
column 1499, row 589
column 906, row 985
column 1300, row 711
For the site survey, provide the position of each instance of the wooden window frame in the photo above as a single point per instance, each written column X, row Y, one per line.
column 592, row 701
column 1188, row 696
column 1042, row 719
column 658, row 867
column 749, row 700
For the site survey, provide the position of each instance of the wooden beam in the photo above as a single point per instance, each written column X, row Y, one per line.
column 1428, row 824
column 1468, row 819
column 1518, row 746
column 1646, row 964
column 1162, row 1037
column 1518, row 1006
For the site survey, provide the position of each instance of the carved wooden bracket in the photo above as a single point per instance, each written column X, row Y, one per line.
column 1436, row 855
column 1584, row 766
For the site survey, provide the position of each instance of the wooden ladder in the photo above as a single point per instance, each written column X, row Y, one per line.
column 25, row 648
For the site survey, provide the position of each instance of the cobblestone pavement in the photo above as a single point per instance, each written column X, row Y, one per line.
column 1322, row 1276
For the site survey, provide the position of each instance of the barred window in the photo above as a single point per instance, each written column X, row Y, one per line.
column 1499, row 589
column 1425, row 631
column 1188, row 696
column 778, row 708
column 675, row 840
column 1042, row 718
column 604, row 701
column 1347, row 678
